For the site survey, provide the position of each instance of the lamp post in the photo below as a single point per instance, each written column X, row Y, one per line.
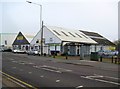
column 41, row 24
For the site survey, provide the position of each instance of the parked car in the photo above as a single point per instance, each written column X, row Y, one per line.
column 6, row 50
column 18, row 51
column 33, row 52
column 107, row 53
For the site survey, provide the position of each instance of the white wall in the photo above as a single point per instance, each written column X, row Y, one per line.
column 36, row 37
column 50, row 37
column 9, row 38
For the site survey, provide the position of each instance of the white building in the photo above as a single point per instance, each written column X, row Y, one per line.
column 62, row 40
column 6, row 40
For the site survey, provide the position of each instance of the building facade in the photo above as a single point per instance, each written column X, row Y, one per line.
column 22, row 42
column 62, row 41
column 6, row 40
column 103, row 43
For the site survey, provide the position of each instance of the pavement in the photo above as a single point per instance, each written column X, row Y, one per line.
column 97, row 64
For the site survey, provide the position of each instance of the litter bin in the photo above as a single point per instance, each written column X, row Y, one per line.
column 94, row 56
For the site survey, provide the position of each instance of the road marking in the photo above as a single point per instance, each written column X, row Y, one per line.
column 57, row 81
column 41, row 76
column 107, row 81
column 96, row 76
column 22, row 63
column 16, row 82
column 15, row 61
column 30, row 63
column 28, row 85
column 36, row 66
column 12, row 59
column 93, row 78
column 79, row 87
column 30, row 72
column 57, row 68
column 51, row 70
column 109, row 77
column 14, row 67
column 21, row 69
column 64, row 69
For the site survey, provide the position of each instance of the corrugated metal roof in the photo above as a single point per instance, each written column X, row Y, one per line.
column 98, row 38
column 70, row 35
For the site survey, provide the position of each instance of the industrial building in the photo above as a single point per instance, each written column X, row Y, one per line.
column 6, row 40
column 103, row 43
column 62, row 41
column 22, row 42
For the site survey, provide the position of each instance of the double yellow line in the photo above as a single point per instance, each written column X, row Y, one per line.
column 19, row 81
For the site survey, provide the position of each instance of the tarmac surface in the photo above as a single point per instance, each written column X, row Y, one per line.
column 40, row 71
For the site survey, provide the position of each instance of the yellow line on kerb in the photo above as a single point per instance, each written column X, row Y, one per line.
column 28, row 85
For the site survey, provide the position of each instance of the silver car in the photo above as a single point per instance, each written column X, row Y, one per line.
column 33, row 52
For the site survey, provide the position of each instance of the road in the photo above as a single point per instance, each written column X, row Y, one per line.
column 41, row 72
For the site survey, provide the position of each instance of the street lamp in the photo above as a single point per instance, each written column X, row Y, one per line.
column 41, row 24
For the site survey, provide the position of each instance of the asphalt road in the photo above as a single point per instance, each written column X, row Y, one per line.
column 42, row 72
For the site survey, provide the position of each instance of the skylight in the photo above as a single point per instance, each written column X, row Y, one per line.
column 56, row 32
column 64, row 33
column 71, row 34
column 78, row 35
column 84, row 36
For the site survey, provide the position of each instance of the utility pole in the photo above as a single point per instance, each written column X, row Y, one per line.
column 42, row 39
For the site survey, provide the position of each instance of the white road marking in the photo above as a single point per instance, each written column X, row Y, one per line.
column 49, row 66
column 14, row 61
column 14, row 67
column 51, row 70
column 30, row 63
column 57, row 81
column 36, row 66
column 22, row 63
column 41, row 76
column 30, row 72
column 96, row 76
column 65, row 69
column 91, row 78
column 57, row 68
column 21, row 69
column 107, row 81
column 79, row 87
column 108, row 77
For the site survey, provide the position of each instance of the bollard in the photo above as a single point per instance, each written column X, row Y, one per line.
column 100, row 58
column 112, row 59
column 115, row 60
column 118, row 60
column 66, row 56
column 54, row 55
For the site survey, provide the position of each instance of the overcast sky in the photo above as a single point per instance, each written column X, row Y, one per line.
column 90, row 15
